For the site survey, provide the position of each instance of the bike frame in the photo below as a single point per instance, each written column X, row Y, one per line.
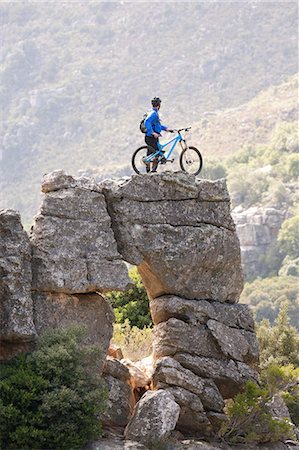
column 152, row 156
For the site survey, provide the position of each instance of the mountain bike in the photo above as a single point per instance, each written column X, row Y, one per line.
column 190, row 158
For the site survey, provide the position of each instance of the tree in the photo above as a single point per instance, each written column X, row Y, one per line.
column 278, row 344
column 52, row 397
column 288, row 236
column 133, row 304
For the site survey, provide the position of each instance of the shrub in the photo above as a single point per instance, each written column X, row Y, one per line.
column 249, row 419
column 52, row 397
column 285, row 381
column 278, row 344
column 135, row 343
column 288, row 236
column 132, row 305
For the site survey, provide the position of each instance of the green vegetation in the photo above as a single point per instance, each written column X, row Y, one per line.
column 266, row 175
column 266, row 296
column 133, row 305
column 279, row 344
column 135, row 343
column 52, row 397
column 133, row 327
column 249, row 417
column 250, row 420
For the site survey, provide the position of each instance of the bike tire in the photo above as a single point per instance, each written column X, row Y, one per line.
column 136, row 161
column 194, row 163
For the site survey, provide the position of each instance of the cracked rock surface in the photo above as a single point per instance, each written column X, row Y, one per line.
column 74, row 249
column 179, row 232
column 16, row 320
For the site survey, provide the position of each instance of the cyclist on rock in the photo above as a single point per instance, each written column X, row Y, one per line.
column 153, row 130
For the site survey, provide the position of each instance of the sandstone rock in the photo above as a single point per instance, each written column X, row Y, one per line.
column 229, row 376
column 119, row 403
column 52, row 310
column 200, row 311
column 146, row 365
column 74, row 249
column 116, row 369
column 115, row 352
column 170, row 372
column 16, row 315
column 237, row 344
column 176, row 336
column 138, row 377
column 154, row 417
column 160, row 221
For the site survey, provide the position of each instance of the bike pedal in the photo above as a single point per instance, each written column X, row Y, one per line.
column 170, row 160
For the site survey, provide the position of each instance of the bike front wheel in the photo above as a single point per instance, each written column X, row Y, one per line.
column 138, row 163
column 191, row 160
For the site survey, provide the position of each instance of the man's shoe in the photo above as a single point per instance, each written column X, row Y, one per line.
column 154, row 171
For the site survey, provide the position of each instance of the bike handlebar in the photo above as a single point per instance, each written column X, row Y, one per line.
column 181, row 129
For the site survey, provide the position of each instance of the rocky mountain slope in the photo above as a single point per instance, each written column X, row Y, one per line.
column 77, row 77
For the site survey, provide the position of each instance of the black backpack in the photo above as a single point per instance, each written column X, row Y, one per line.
column 142, row 126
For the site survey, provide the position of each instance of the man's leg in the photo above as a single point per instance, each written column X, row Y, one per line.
column 152, row 147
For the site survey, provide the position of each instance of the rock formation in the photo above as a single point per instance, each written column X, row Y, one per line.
column 17, row 329
column 179, row 232
column 257, row 229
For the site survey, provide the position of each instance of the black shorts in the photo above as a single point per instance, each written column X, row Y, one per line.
column 152, row 144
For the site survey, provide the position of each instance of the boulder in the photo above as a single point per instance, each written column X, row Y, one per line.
column 74, row 249
column 138, row 377
column 16, row 314
column 229, row 376
column 154, row 417
column 200, row 311
column 116, row 369
column 171, row 373
column 177, row 336
column 240, row 345
column 119, row 403
column 54, row 310
column 193, row 417
column 115, row 351
column 162, row 220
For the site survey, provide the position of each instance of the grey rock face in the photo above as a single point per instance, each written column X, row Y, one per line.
column 192, row 415
column 154, row 417
column 116, row 369
column 176, row 336
column 16, row 324
column 200, row 311
column 54, row 310
column 163, row 222
column 257, row 229
column 230, row 376
column 119, row 403
column 74, row 249
column 170, row 372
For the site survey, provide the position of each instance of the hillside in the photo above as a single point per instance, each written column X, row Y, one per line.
column 222, row 133
column 77, row 77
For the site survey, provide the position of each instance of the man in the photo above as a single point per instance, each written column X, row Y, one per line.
column 153, row 129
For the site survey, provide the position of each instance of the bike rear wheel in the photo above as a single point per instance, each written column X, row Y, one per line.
column 138, row 160
column 191, row 160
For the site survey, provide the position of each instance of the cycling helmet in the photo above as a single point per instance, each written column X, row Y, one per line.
column 156, row 101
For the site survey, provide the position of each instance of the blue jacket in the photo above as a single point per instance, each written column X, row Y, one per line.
column 153, row 124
